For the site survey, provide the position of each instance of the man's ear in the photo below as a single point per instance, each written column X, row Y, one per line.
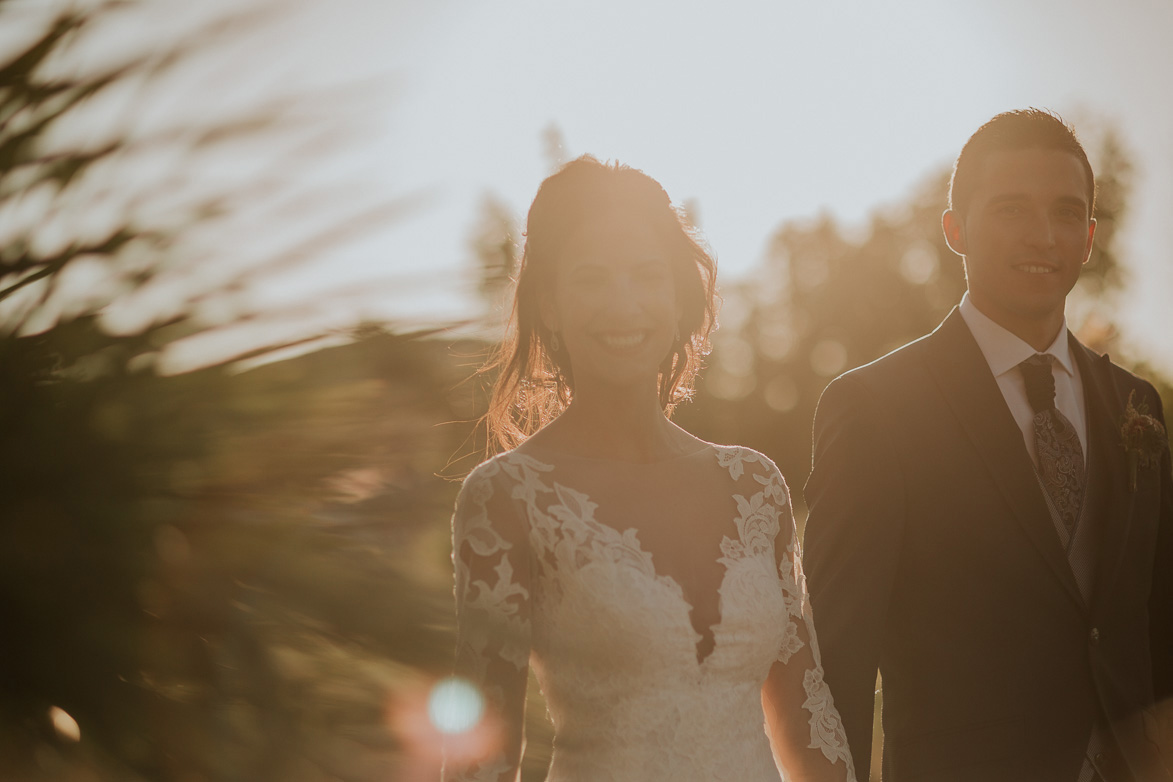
column 954, row 228
column 1091, row 233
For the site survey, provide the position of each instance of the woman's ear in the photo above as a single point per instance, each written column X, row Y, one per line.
column 549, row 314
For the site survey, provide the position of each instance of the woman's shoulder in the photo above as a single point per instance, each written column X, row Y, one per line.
column 754, row 474
column 516, row 466
column 741, row 460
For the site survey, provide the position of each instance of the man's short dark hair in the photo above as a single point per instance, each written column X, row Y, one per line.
column 1015, row 130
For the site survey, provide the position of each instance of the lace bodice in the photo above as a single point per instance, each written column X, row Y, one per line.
column 643, row 680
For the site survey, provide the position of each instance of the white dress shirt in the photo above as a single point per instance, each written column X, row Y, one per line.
column 1005, row 351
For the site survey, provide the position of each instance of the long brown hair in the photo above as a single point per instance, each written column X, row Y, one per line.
column 535, row 383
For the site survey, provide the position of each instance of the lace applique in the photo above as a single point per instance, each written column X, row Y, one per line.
column 791, row 643
column 488, row 771
column 775, row 489
column 758, row 516
column 826, row 727
column 490, row 612
column 793, row 592
column 577, row 539
column 492, row 604
column 475, row 528
column 526, row 473
column 733, row 459
column 498, row 610
column 827, row 734
column 594, row 626
column 757, row 526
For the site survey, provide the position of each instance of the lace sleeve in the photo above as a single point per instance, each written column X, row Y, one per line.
column 489, row 554
column 805, row 728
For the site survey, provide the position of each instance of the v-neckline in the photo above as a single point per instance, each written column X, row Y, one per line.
column 622, row 537
column 678, row 589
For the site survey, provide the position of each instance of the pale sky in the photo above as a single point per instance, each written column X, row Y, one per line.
column 754, row 112
column 767, row 111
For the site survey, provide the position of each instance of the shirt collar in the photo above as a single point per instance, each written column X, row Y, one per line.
column 1003, row 350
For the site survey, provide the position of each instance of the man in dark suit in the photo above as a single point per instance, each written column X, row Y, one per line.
column 978, row 530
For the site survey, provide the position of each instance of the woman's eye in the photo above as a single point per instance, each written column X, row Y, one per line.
column 588, row 277
column 652, row 273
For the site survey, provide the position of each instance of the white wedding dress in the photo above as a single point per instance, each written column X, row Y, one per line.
column 549, row 573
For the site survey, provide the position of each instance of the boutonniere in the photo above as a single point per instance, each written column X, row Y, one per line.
column 1143, row 438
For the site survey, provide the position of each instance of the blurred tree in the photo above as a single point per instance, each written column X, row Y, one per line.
column 1105, row 272
column 496, row 248
column 554, row 148
column 232, row 573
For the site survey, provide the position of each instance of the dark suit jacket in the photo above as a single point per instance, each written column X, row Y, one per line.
column 930, row 554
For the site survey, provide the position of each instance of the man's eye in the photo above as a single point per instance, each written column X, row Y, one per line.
column 588, row 277
column 1009, row 210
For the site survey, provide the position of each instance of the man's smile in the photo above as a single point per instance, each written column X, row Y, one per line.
column 1036, row 268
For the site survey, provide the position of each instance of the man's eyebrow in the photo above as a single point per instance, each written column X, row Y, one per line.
column 1004, row 197
column 588, row 264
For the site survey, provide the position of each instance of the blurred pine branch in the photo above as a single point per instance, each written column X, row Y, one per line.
column 219, row 574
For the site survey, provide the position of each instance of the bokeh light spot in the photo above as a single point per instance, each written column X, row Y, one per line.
column 781, row 394
column 455, row 705
column 828, row 357
column 919, row 265
column 65, row 725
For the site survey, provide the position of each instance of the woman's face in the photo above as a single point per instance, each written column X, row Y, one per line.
column 614, row 302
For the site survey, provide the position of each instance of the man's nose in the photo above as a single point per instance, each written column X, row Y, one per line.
column 1041, row 230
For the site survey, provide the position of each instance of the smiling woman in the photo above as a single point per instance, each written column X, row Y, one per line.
column 650, row 578
column 603, row 243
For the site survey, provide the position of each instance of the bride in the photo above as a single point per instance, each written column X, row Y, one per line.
column 650, row 578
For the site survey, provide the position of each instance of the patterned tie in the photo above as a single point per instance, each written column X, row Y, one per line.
column 1060, row 458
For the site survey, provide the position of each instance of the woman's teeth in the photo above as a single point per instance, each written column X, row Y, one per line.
column 620, row 342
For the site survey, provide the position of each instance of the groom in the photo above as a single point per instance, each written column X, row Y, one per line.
column 978, row 530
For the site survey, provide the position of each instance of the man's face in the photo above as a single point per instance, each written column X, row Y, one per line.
column 1025, row 237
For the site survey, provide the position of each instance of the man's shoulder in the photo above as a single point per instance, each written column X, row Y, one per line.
column 1128, row 378
column 895, row 369
column 1125, row 380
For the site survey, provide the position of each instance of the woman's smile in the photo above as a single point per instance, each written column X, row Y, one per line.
column 624, row 340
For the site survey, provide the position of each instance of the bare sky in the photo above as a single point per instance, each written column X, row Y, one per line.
column 762, row 112
column 753, row 112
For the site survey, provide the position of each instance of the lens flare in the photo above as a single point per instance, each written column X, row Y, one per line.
column 65, row 725
column 455, row 705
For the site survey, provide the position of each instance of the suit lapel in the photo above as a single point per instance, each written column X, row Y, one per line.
column 1104, row 409
column 964, row 377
